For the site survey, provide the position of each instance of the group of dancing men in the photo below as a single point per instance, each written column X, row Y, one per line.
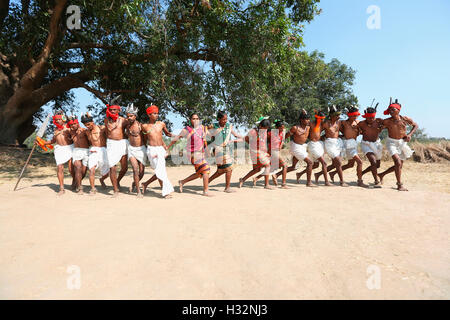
column 119, row 140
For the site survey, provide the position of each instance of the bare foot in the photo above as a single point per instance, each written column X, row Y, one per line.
column 180, row 185
column 268, row 188
column 400, row 187
column 102, row 182
column 332, row 176
column 299, row 175
column 61, row 192
column 343, row 184
column 241, row 182
column 362, row 184
column 169, row 196
column 377, row 185
column 80, row 191
column 229, row 190
column 115, row 194
column 207, row 194
column 274, row 180
column 139, row 195
column 93, row 191
column 310, row 184
column 381, row 179
column 284, row 186
column 328, row 184
column 254, row 181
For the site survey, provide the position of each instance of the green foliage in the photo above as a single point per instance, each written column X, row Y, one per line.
column 241, row 56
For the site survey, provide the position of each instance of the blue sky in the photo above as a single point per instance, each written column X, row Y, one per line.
column 407, row 58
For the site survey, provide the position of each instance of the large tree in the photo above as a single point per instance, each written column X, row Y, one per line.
column 182, row 55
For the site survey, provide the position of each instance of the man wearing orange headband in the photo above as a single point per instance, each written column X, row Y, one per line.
column 371, row 145
column 316, row 148
column 63, row 149
column 116, row 145
column 350, row 130
column 156, row 150
column 397, row 141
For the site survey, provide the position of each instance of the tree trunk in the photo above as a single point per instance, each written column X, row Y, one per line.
column 14, row 127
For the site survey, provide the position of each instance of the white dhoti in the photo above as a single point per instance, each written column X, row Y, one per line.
column 316, row 149
column 372, row 147
column 334, row 147
column 62, row 153
column 139, row 153
column 399, row 147
column 299, row 150
column 99, row 157
column 350, row 148
column 157, row 158
column 116, row 149
column 81, row 154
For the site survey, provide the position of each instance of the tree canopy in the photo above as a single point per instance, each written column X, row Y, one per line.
column 244, row 57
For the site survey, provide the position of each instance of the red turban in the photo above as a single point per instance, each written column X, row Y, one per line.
column 72, row 122
column 56, row 117
column 353, row 114
column 152, row 109
column 369, row 115
column 109, row 114
column 393, row 105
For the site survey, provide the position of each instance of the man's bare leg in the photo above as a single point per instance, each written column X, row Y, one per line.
column 60, row 175
column 318, row 174
column 78, row 176
column 123, row 168
column 215, row 175
column 136, row 174
column 398, row 172
column 309, row 167
column 350, row 164
column 92, row 180
column 146, row 183
column 72, row 173
column 113, row 177
column 102, row 180
column 325, row 171
column 299, row 174
column 228, row 181
column 338, row 165
column 283, row 179
column 359, row 165
column 291, row 168
column 374, row 165
column 266, row 182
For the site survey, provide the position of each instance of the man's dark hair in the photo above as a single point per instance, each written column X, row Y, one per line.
column 220, row 115
column 265, row 123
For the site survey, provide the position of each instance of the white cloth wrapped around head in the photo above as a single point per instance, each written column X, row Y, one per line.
column 131, row 109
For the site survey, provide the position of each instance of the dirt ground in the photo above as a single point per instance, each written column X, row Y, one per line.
column 300, row 243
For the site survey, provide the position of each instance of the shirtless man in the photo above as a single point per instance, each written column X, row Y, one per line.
column 98, row 157
column 137, row 152
column 316, row 148
column 80, row 154
column 371, row 145
column 63, row 149
column 116, row 145
column 350, row 130
column 257, row 139
column 156, row 150
column 397, row 141
column 333, row 144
